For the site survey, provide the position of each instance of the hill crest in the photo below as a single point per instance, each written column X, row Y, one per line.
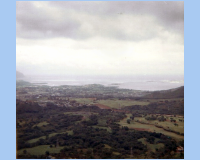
column 171, row 93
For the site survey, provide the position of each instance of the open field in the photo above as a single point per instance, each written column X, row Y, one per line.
column 21, row 122
column 115, row 103
column 112, row 103
column 151, row 147
column 116, row 153
column 166, row 124
column 83, row 100
column 36, row 139
column 50, row 135
column 41, row 124
column 160, row 100
column 107, row 146
column 40, row 150
column 148, row 127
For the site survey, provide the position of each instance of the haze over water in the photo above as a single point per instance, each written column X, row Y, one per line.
column 139, row 82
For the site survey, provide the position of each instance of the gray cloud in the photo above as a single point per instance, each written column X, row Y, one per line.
column 100, row 37
column 37, row 23
column 67, row 21
column 168, row 13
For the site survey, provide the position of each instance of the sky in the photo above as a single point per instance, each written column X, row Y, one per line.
column 100, row 38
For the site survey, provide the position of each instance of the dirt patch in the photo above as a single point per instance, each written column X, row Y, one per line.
column 92, row 99
column 113, row 110
column 102, row 106
column 83, row 118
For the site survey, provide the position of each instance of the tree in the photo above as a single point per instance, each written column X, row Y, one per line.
column 128, row 121
column 126, row 128
column 24, row 151
column 132, row 117
column 47, row 137
column 47, row 153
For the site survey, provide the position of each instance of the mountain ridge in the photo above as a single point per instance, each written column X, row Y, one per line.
column 19, row 75
column 171, row 93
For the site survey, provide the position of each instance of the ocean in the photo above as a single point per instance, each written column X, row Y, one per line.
column 139, row 82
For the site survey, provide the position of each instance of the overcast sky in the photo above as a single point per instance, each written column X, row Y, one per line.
column 100, row 38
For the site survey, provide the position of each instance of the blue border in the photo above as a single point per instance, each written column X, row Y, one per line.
column 8, row 75
column 7, row 80
column 191, row 77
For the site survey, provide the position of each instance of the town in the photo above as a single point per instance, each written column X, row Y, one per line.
column 64, row 96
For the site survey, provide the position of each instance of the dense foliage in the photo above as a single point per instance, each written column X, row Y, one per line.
column 91, row 137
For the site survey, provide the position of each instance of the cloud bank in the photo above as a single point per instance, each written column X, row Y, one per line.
column 114, row 38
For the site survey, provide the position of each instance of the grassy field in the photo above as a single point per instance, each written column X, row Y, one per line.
column 116, row 153
column 36, row 139
column 108, row 129
column 84, row 114
column 148, row 127
column 50, row 135
column 40, row 150
column 41, row 124
column 158, row 100
column 115, row 103
column 151, row 147
column 107, row 146
column 83, row 100
column 166, row 124
column 102, row 122
column 21, row 123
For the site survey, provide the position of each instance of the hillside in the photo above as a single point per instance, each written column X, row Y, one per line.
column 171, row 93
column 19, row 75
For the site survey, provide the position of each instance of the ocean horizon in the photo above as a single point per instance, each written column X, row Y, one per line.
column 141, row 82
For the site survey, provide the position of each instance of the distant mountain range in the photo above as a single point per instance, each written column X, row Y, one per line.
column 19, row 75
column 171, row 93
